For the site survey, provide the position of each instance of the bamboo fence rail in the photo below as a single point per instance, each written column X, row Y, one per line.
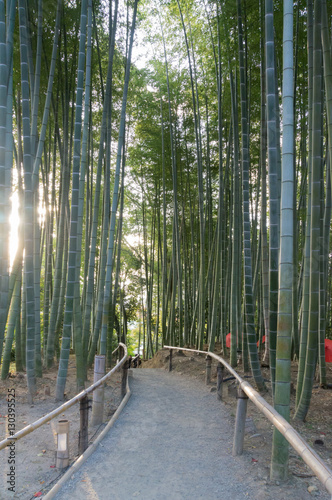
column 46, row 418
column 309, row 456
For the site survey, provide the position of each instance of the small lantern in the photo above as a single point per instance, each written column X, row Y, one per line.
column 62, row 454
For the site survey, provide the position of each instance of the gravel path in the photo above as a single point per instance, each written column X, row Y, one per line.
column 173, row 440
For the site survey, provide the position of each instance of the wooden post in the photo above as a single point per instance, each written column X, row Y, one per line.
column 83, row 439
column 124, row 378
column 208, row 370
column 170, row 367
column 62, row 454
column 240, row 422
column 98, row 394
column 220, row 378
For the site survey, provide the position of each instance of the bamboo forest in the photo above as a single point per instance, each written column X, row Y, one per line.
column 165, row 178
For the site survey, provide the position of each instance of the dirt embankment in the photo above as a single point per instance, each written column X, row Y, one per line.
column 35, row 455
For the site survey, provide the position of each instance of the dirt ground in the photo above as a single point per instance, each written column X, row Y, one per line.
column 317, row 430
column 35, row 454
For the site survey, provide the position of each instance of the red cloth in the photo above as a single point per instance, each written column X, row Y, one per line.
column 228, row 340
column 263, row 340
column 328, row 347
column 328, row 350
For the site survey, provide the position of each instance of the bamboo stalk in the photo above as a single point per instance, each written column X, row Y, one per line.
column 98, row 395
column 240, row 422
column 83, row 440
column 220, row 377
column 208, row 370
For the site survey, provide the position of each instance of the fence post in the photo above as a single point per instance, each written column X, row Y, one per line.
column 84, row 425
column 240, row 422
column 170, row 366
column 98, row 394
column 62, row 454
column 220, row 378
column 208, row 370
column 124, row 378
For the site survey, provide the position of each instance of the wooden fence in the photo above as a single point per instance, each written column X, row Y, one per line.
column 245, row 392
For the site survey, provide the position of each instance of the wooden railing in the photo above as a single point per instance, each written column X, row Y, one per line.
column 82, row 398
column 245, row 391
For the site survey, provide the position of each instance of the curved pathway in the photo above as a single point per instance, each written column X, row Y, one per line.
column 172, row 441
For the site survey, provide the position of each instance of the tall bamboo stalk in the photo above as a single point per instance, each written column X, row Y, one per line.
column 279, row 463
column 272, row 148
column 312, row 345
column 110, row 256
column 73, row 273
column 248, row 291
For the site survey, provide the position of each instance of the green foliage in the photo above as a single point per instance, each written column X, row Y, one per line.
column 182, row 208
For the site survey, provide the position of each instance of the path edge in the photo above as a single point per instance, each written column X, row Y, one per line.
column 80, row 461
